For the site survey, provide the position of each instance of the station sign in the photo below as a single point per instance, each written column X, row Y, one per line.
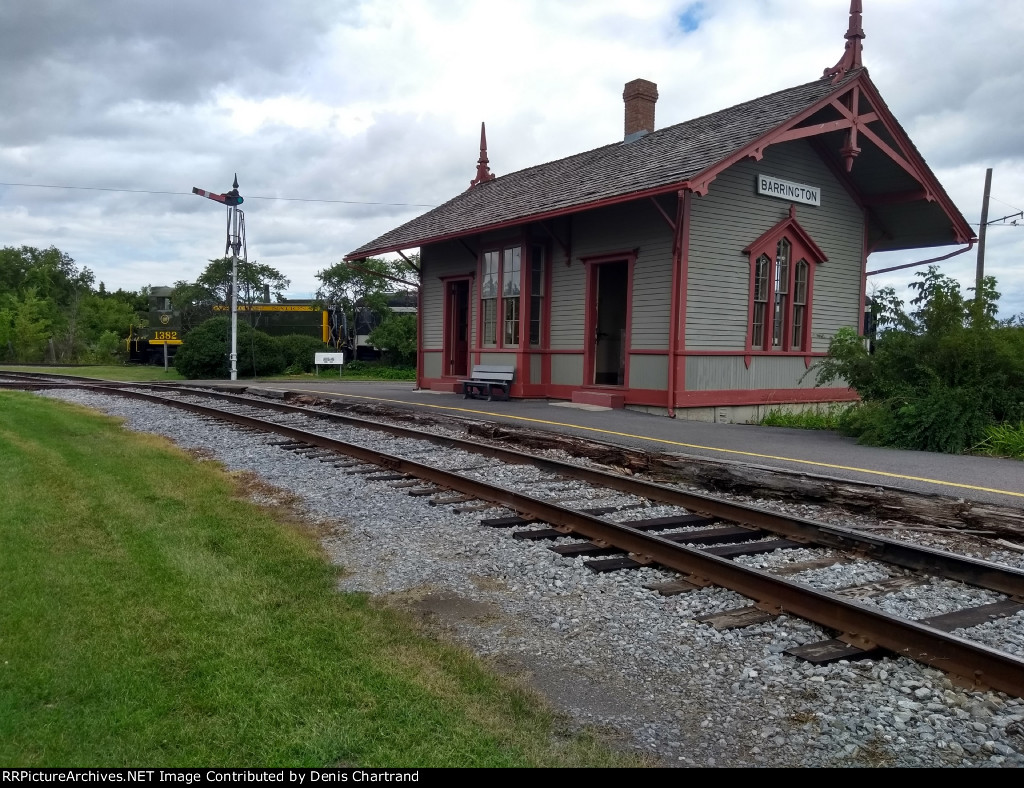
column 771, row 186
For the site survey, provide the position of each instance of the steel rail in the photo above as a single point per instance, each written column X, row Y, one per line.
column 976, row 665
column 976, row 572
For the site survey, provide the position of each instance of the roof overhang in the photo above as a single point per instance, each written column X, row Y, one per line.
column 857, row 135
column 518, row 221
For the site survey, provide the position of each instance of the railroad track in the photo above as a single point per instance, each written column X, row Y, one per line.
column 707, row 541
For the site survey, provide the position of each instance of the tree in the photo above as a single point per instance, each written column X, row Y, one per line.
column 101, row 318
column 24, row 328
column 364, row 284
column 47, row 286
column 194, row 303
column 197, row 301
column 396, row 338
column 49, row 273
column 939, row 374
column 255, row 281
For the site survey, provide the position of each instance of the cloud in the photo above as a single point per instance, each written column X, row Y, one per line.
column 367, row 103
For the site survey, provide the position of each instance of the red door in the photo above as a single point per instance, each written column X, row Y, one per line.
column 456, row 334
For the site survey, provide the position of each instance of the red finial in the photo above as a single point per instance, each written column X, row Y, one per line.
column 854, row 35
column 483, row 172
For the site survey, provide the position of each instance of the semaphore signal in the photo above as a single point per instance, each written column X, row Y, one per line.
column 235, row 243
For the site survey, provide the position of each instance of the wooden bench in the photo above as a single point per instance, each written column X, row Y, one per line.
column 486, row 378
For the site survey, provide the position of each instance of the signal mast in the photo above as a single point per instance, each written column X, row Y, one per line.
column 235, row 242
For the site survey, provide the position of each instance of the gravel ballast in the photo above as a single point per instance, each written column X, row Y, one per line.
column 614, row 656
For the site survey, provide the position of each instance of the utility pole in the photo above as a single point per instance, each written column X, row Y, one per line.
column 980, row 274
column 235, row 242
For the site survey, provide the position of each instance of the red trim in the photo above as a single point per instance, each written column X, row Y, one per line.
column 863, row 279
column 478, row 311
column 545, row 340
column 677, row 299
column 906, row 158
column 766, row 396
column 654, row 398
column 687, row 399
column 852, row 53
column 419, row 330
column 526, row 289
column 483, row 172
column 789, row 226
column 910, row 157
column 764, row 353
column 614, row 257
column 648, row 352
column 685, row 282
column 523, row 350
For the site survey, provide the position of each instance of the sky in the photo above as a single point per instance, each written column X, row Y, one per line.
column 346, row 118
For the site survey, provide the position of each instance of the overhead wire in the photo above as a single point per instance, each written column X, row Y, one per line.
column 248, row 197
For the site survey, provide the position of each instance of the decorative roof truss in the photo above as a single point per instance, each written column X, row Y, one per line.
column 854, row 111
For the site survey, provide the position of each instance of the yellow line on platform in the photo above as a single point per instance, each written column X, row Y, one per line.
column 673, row 443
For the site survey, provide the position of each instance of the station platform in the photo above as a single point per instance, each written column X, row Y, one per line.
column 812, row 452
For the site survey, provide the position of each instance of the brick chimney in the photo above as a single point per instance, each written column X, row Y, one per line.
column 640, row 96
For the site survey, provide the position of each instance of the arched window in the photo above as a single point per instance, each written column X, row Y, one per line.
column 781, row 289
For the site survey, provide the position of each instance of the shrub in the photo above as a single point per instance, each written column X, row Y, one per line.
column 939, row 376
column 204, row 353
column 299, row 351
column 376, row 370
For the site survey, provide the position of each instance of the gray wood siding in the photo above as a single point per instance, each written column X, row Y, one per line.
column 438, row 260
column 648, row 372
column 568, row 285
column 432, row 364
column 731, row 216
column 567, row 369
column 724, row 373
column 623, row 228
column 502, row 359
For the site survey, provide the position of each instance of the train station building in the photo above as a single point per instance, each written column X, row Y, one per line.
column 697, row 270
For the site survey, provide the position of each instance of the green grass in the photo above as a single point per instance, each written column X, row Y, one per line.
column 828, row 417
column 1004, row 440
column 370, row 370
column 152, row 616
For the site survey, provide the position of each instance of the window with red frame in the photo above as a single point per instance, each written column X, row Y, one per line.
column 781, row 295
column 500, row 291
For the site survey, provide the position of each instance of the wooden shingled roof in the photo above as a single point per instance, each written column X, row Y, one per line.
column 686, row 155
